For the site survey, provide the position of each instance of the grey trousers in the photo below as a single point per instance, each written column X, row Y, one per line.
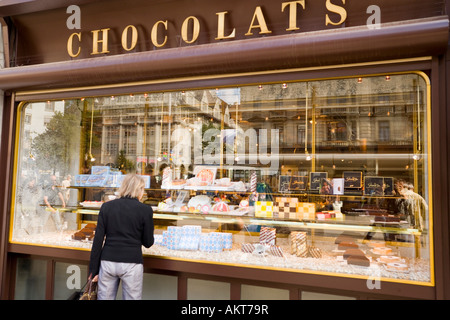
column 110, row 275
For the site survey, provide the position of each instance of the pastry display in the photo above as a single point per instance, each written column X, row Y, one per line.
column 78, row 236
column 244, row 203
column 396, row 266
column 178, row 182
column 376, row 244
column 353, row 252
column 356, row 257
column 344, row 245
column 362, row 261
column 344, row 238
column 389, row 259
column 224, row 182
column 205, row 208
column 198, row 201
column 382, row 250
column 221, row 207
column 91, row 204
column 86, row 233
column 195, row 182
column 206, row 175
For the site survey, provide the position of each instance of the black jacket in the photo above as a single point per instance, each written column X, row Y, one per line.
column 124, row 226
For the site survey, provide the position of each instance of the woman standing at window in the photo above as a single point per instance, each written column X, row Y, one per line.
column 124, row 226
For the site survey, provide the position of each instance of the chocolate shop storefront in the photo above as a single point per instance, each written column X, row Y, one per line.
column 291, row 149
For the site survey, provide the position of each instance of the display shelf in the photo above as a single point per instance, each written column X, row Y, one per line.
column 346, row 224
column 224, row 190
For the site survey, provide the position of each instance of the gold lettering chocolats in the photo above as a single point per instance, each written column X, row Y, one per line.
column 191, row 28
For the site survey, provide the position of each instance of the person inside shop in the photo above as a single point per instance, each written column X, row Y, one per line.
column 52, row 200
column 65, row 184
column 415, row 205
column 124, row 225
column 29, row 207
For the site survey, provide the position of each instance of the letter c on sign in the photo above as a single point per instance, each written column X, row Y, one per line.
column 70, row 45
column 154, row 34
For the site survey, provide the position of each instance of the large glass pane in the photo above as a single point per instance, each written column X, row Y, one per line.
column 69, row 279
column 30, row 279
column 293, row 174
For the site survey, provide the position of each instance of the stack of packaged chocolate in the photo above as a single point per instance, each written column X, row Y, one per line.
column 298, row 243
column 182, row 238
column 190, row 237
column 267, row 239
column 286, row 208
column 267, row 235
column 264, row 209
column 300, row 248
column 290, row 208
column 215, row 241
column 103, row 176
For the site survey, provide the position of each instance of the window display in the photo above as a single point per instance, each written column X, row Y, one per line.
column 324, row 176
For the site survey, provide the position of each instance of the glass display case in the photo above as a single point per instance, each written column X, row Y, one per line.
column 326, row 176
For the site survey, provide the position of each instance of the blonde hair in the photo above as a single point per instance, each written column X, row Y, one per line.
column 132, row 186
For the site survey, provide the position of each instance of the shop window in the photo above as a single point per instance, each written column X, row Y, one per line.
column 296, row 174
